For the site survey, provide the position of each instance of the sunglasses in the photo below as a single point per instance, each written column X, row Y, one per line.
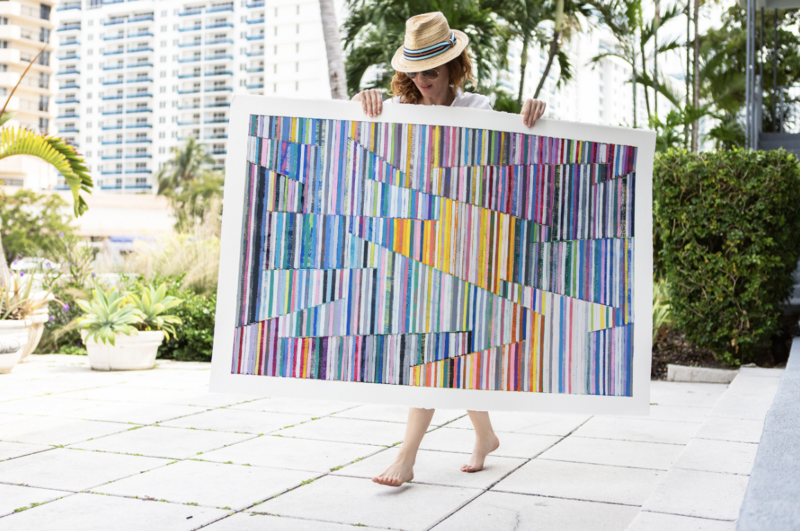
column 428, row 74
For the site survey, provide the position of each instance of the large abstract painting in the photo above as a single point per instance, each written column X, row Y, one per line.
column 422, row 255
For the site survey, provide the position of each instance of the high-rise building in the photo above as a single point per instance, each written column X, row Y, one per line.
column 25, row 31
column 139, row 77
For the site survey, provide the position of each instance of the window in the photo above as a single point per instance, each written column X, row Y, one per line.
column 162, row 105
column 4, row 21
column 163, row 74
column 161, row 120
column 162, row 90
column 44, row 103
column 44, row 12
column 88, row 110
column 164, row 28
column 163, row 59
column 44, row 124
column 44, row 34
column 161, row 135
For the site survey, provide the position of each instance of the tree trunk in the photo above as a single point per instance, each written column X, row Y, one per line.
column 686, row 78
column 644, row 75
column 633, row 83
column 695, row 75
column 333, row 48
column 655, row 59
column 553, row 51
column 523, row 64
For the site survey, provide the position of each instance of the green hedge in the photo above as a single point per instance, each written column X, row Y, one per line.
column 729, row 229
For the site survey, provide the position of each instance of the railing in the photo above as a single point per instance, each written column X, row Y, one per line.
column 139, row 156
column 255, row 4
column 189, row 76
column 140, row 34
column 255, row 86
column 108, row 113
column 220, row 41
column 69, row 27
column 190, row 60
column 140, row 65
column 68, row 7
column 73, row 115
column 140, row 95
column 257, row 70
column 191, row 122
column 218, row 121
column 138, row 186
column 219, row 104
column 195, row 28
column 188, row 107
column 114, row 52
column 73, row 100
column 219, row 89
column 219, row 73
column 190, row 12
column 114, row 97
column 220, row 25
column 111, row 157
column 219, row 9
column 114, row 21
column 219, row 57
column 257, row 53
column 139, row 126
column 110, row 172
column 69, row 86
column 116, row 67
column 215, row 136
column 139, row 141
column 141, row 49
column 189, row 44
column 69, row 57
column 255, row 21
column 67, row 72
column 111, row 127
column 259, row 37
column 218, row 152
column 113, row 37
column 115, row 82
column 70, row 43
column 140, row 80
column 192, row 91
column 141, row 170
column 134, row 111
column 141, row 18
column 111, row 142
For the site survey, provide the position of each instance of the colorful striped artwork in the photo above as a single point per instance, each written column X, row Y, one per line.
column 436, row 256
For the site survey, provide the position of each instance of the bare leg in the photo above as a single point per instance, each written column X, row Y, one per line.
column 486, row 441
column 402, row 469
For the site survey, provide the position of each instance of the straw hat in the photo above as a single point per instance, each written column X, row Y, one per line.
column 429, row 43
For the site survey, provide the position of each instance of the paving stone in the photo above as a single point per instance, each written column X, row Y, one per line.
column 240, row 421
column 535, row 423
column 209, row 484
column 759, row 371
column 45, row 405
column 73, row 470
column 675, row 413
column 724, row 429
column 134, row 413
column 581, row 481
column 349, row 430
column 637, row 429
column 397, row 414
column 511, row 444
column 92, row 512
column 14, row 497
column 9, row 450
column 315, row 408
column 437, row 468
column 6, row 418
column 685, row 393
column 174, row 443
column 253, row 521
column 699, row 494
column 754, row 385
column 117, row 393
column 718, row 456
column 647, row 521
column 360, row 501
column 58, row 431
column 295, row 454
column 743, row 406
column 634, row 454
column 211, row 400
column 498, row 510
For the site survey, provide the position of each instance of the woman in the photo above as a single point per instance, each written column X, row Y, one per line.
column 430, row 69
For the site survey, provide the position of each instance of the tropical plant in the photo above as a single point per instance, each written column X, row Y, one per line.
column 198, row 201
column 333, row 49
column 662, row 308
column 187, row 164
column 31, row 224
column 63, row 157
column 566, row 16
column 16, row 300
column 374, row 30
column 107, row 315
column 153, row 303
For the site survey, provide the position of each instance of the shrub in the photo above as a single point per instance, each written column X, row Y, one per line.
column 729, row 227
column 31, row 223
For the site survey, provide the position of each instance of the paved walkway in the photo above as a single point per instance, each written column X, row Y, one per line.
column 154, row 450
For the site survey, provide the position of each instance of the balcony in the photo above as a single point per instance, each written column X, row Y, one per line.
column 220, row 41
column 110, row 113
column 69, row 57
column 138, row 186
column 218, row 121
column 255, row 86
column 139, row 156
column 136, row 111
column 140, row 34
column 190, row 12
column 140, row 49
column 194, row 28
column 219, row 73
column 139, row 126
column 216, row 136
column 113, row 37
column 257, row 53
column 67, row 72
column 140, row 80
column 138, row 141
column 68, row 7
column 219, row 25
column 189, row 91
column 114, row 52
column 189, row 44
column 141, row 18
column 189, row 76
column 116, row 67
column 114, row 21
column 111, row 127
column 111, row 142
column 114, row 97
column 189, row 107
column 219, row 89
column 255, row 21
column 111, row 157
column 140, row 95
column 111, row 172
column 70, row 100
column 256, row 70
column 109, row 2
column 140, row 65
column 219, row 57
column 71, row 115
column 115, row 82
column 139, row 170
column 219, row 104
column 69, row 27
column 111, row 187
column 259, row 37
column 255, row 4
column 219, row 9
column 187, row 123
column 69, row 86
column 190, row 60
column 72, row 129
column 218, row 152
column 70, row 43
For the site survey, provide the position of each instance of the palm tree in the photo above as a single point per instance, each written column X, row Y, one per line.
column 53, row 150
column 187, row 164
column 523, row 17
column 374, row 30
column 648, row 32
column 333, row 47
column 566, row 22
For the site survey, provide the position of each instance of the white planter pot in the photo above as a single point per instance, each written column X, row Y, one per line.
column 13, row 339
column 130, row 353
column 35, row 330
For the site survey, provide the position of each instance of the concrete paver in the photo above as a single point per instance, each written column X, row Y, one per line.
column 397, row 414
column 511, row 444
column 699, row 494
column 238, row 421
column 260, row 522
column 647, row 521
column 17, row 498
column 300, row 406
column 58, row 431
column 658, row 456
column 9, row 450
column 349, row 430
column 718, row 456
column 638, row 429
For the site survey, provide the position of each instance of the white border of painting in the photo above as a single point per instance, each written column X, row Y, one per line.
column 223, row 381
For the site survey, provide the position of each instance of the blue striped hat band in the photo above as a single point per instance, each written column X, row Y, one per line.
column 430, row 51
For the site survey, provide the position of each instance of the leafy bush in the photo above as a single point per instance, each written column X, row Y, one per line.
column 729, row 227
column 31, row 223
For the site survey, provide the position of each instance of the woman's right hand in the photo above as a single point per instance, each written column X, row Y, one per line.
column 371, row 102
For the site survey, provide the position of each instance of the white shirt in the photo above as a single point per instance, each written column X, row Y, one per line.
column 463, row 99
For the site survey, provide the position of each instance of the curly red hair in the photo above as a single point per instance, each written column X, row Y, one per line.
column 460, row 71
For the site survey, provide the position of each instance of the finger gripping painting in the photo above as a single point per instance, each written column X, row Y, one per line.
column 436, row 256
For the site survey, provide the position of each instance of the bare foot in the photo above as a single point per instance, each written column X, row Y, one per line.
column 399, row 472
column 479, row 453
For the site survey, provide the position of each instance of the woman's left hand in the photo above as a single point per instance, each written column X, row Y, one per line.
column 532, row 110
